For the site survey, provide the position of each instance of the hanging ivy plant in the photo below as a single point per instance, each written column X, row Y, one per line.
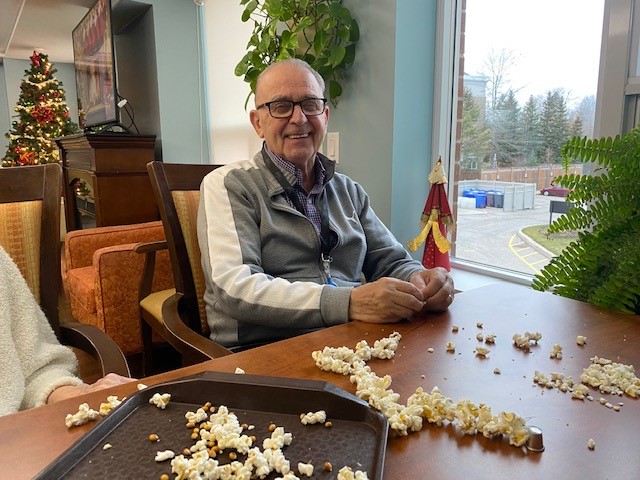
column 320, row 32
column 603, row 266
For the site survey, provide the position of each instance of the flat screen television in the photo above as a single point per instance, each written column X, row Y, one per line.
column 95, row 68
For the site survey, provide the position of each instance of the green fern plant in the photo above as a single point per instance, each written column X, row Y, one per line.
column 602, row 266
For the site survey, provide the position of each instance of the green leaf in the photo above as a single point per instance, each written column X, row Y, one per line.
column 337, row 54
column 248, row 10
column 355, row 31
column 335, row 89
column 320, row 41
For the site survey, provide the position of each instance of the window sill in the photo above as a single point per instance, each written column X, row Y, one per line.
column 468, row 275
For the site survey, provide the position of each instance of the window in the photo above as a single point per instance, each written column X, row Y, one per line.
column 524, row 79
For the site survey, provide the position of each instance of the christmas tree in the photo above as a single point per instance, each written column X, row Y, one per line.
column 42, row 116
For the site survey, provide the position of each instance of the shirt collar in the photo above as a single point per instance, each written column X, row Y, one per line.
column 291, row 168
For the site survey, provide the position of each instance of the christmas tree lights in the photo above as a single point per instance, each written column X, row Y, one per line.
column 42, row 116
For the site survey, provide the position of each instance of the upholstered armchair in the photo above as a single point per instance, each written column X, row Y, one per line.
column 102, row 273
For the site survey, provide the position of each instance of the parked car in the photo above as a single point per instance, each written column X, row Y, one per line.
column 555, row 191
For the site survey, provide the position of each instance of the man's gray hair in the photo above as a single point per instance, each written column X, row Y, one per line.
column 297, row 62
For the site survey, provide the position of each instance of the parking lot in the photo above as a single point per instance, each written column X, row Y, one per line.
column 490, row 236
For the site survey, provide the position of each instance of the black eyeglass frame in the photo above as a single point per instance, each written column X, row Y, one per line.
column 293, row 106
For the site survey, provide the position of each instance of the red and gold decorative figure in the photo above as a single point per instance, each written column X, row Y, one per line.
column 436, row 218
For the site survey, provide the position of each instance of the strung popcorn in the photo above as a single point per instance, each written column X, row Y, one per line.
column 84, row 415
column 311, row 417
column 159, row 400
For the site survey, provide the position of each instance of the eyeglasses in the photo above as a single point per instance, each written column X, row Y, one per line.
column 284, row 108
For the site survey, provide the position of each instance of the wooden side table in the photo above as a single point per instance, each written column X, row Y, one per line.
column 112, row 167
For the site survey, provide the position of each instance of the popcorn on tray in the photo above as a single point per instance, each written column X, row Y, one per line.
column 160, row 400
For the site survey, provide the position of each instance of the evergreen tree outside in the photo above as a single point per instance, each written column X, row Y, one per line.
column 507, row 131
column 531, row 136
column 42, row 115
column 475, row 133
column 555, row 125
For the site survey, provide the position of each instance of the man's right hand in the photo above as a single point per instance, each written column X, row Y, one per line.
column 387, row 300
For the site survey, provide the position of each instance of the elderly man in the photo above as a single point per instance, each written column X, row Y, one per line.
column 286, row 241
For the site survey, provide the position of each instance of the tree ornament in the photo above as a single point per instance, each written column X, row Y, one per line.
column 436, row 216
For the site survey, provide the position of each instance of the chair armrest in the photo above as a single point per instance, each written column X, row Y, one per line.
column 80, row 245
column 97, row 344
column 149, row 250
column 194, row 347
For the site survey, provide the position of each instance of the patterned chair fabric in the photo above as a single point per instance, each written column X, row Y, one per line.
column 186, row 203
column 20, row 236
column 102, row 276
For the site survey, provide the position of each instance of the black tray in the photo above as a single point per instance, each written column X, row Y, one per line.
column 357, row 438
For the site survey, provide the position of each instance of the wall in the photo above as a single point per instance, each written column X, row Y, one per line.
column 383, row 117
column 5, row 123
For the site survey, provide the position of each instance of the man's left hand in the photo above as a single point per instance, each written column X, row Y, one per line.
column 436, row 286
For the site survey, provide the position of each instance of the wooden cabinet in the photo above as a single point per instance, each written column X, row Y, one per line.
column 112, row 168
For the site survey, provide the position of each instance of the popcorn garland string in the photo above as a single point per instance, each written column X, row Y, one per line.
column 433, row 407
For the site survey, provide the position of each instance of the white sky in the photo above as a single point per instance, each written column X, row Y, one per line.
column 556, row 43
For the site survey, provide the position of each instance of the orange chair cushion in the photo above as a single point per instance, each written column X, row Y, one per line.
column 82, row 286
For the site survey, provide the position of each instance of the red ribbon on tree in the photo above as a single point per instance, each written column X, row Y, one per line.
column 42, row 114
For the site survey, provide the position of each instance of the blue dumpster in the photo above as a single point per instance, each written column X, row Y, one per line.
column 490, row 196
column 498, row 199
column 481, row 200
column 469, row 193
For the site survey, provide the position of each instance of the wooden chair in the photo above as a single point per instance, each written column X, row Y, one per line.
column 179, row 317
column 30, row 233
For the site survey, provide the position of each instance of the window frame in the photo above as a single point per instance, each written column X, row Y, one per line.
column 617, row 96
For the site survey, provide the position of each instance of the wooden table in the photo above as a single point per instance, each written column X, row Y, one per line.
column 31, row 439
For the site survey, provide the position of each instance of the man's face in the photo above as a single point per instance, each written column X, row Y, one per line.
column 298, row 137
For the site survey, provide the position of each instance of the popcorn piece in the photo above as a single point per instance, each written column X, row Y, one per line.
column 524, row 341
column 84, row 415
column 107, row 446
column 160, row 400
column 610, row 377
column 111, row 403
column 580, row 392
column 451, row 347
column 305, row 469
column 196, row 417
column 556, row 352
column 239, row 371
column 581, row 340
column 164, row 455
column 479, row 324
column 591, row 444
column 490, row 338
column 482, row 351
column 311, row 418
column 346, row 473
column 141, row 386
column 479, row 337
column 430, row 350
column 454, row 328
column 497, row 371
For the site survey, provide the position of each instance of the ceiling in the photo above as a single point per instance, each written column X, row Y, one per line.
column 42, row 25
